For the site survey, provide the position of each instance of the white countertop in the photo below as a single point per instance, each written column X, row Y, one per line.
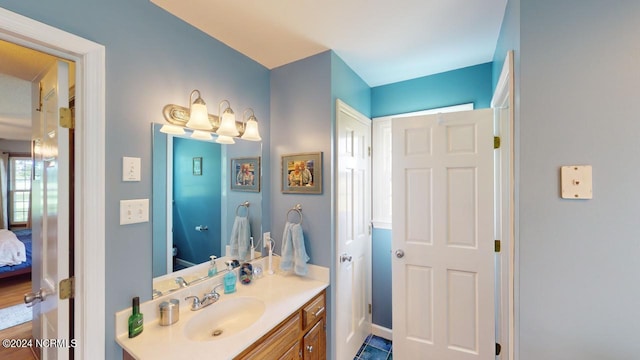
column 281, row 293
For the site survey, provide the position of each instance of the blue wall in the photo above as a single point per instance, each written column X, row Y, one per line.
column 146, row 69
column 577, row 260
column 196, row 200
column 470, row 84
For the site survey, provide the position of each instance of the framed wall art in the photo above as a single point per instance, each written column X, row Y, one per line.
column 197, row 166
column 302, row 173
column 245, row 174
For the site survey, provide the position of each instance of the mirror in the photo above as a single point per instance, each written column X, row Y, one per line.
column 194, row 203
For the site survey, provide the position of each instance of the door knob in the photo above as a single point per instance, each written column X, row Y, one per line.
column 345, row 257
column 399, row 254
column 32, row 298
column 309, row 348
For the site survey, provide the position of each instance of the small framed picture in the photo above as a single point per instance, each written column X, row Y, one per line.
column 302, row 173
column 197, row 166
column 245, row 174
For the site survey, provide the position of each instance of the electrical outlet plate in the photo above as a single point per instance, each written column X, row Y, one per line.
column 265, row 239
column 134, row 211
column 576, row 182
column 131, row 169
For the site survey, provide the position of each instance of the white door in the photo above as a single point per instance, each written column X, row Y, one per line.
column 353, row 260
column 51, row 191
column 443, row 262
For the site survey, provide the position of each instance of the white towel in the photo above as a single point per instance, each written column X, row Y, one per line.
column 294, row 254
column 240, row 238
column 12, row 250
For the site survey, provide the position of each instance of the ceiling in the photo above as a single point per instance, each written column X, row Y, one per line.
column 18, row 67
column 382, row 41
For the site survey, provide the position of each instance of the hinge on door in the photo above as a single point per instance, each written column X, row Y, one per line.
column 369, row 150
column 496, row 246
column 39, row 97
column 370, row 308
column 66, row 120
column 496, row 142
column 66, row 289
column 498, row 349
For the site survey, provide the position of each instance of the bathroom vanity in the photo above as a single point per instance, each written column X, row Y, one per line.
column 301, row 336
column 279, row 316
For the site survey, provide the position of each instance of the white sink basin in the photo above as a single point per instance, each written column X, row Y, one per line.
column 224, row 318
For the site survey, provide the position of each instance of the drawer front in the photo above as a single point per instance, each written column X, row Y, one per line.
column 314, row 311
column 282, row 338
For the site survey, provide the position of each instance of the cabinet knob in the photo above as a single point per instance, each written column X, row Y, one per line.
column 309, row 348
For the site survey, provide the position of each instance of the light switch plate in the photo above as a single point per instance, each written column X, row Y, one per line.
column 134, row 211
column 130, row 169
column 577, row 182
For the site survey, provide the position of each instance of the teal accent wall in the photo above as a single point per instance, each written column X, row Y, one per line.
column 146, row 68
column 347, row 86
column 196, row 200
column 470, row 84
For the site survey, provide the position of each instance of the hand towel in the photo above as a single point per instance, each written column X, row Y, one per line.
column 294, row 254
column 12, row 250
column 240, row 238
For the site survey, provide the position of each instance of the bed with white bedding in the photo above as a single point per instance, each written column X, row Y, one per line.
column 15, row 252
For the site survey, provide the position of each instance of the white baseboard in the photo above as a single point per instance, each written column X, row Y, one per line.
column 382, row 332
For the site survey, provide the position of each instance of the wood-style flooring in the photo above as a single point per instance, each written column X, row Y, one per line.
column 12, row 292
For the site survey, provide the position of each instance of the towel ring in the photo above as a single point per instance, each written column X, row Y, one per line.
column 298, row 209
column 244, row 204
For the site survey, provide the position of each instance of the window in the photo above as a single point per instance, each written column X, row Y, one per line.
column 19, row 190
column 381, row 159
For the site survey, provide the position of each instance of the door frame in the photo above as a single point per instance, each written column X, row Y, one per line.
column 503, row 97
column 341, row 106
column 89, row 192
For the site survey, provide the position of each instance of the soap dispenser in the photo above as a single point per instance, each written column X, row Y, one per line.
column 230, row 279
column 213, row 268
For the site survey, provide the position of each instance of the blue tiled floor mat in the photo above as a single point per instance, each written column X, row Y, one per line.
column 375, row 348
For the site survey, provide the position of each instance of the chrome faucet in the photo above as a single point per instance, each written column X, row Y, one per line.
column 182, row 282
column 207, row 299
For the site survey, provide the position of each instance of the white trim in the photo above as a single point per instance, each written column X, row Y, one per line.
column 89, row 169
column 342, row 107
column 382, row 332
column 503, row 98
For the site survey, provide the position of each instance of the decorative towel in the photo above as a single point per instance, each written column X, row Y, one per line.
column 294, row 254
column 12, row 250
column 240, row 238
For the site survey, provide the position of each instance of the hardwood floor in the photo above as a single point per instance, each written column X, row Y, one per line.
column 12, row 293
column 13, row 290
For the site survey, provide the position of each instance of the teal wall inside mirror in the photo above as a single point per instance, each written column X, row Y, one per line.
column 199, row 174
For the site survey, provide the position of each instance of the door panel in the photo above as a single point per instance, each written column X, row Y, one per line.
column 51, row 210
column 352, row 230
column 443, row 236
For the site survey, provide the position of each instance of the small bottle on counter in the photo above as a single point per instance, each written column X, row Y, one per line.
column 136, row 320
column 246, row 273
column 230, row 279
column 213, row 268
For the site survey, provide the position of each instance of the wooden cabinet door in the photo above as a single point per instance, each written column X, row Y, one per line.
column 314, row 343
column 293, row 353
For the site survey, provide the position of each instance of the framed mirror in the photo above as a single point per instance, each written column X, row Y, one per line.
column 193, row 207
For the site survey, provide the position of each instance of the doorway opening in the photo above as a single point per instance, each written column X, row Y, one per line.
column 89, row 182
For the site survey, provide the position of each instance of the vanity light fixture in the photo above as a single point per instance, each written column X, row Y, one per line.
column 203, row 125
column 198, row 115
column 228, row 121
column 223, row 139
column 250, row 126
